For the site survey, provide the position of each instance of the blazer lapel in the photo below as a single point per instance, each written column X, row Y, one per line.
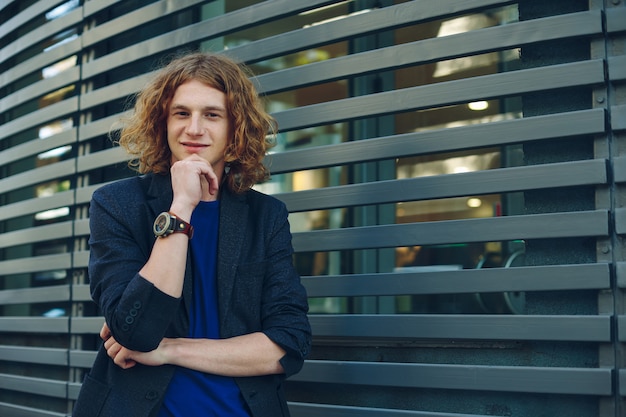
column 158, row 192
column 232, row 231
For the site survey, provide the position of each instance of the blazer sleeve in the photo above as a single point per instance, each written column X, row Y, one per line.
column 121, row 240
column 284, row 305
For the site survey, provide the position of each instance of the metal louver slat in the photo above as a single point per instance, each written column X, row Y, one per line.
column 472, row 377
column 455, row 327
column 536, row 278
column 538, row 226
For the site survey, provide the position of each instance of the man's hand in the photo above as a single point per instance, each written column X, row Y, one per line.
column 121, row 356
column 126, row 358
column 193, row 180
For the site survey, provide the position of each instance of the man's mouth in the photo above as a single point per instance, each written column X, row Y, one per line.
column 194, row 145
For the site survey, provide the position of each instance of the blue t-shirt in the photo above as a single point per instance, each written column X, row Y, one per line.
column 193, row 393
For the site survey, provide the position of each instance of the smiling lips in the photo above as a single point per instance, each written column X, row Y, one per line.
column 194, row 146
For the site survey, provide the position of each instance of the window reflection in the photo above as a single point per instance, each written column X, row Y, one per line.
column 59, row 67
column 417, row 258
column 62, row 9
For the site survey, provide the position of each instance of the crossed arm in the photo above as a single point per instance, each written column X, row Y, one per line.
column 247, row 355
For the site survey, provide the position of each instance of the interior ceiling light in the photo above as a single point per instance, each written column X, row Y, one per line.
column 478, row 105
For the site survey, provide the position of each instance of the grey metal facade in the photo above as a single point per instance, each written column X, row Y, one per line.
column 547, row 336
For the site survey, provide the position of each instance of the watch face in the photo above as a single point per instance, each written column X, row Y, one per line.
column 161, row 224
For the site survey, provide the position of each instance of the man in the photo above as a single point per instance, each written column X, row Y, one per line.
column 204, row 312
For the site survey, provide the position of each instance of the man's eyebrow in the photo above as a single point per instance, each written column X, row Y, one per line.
column 177, row 106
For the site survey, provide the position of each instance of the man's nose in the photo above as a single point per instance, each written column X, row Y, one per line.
column 194, row 127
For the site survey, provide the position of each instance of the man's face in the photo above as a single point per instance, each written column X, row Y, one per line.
column 198, row 123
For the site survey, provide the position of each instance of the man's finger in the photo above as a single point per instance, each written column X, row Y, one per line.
column 105, row 332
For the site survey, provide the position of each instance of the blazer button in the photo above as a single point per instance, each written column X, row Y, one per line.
column 129, row 320
column 152, row 395
column 137, row 304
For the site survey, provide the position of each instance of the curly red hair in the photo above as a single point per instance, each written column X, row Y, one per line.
column 144, row 134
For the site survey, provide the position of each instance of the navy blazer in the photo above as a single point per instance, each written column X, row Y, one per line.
column 258, row 290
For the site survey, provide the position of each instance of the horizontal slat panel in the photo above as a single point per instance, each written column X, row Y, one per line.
column 12, row 410
column 40, row 88
column 80, row 259
column 442, row 140
column 38, row 175
column 83, row 194
column 138, row 17
column 14, row 22
column 80, row 292
column 35, row 295
column 36, row 205
column 621, row 328
column 100, row 127
column 112, row 92
column 40, row 386
column 618, row 117
column 73, row 389
column 531, row 278
column 617, row 68
column 615, row 19
column 487, row 327
column 376, row 19
column 36, row 146
column 41, row 33
column 87, row 325
column 207, row 29
column 101, row 159
column 40, row 61
column 620, row 220
column 620, row 272
column 36, row 264
column 561, row 278
column 82, row 358
column 39, row 117
column 566, row 174
column 455, row 327
column 36, row 234
column 317, row 410
column 383, row 18
column 538, row 226
column 431, row 50
column 445, row 93
column 582, row 381
column 34, row 324
column 619, row 167
column 81, row 227
column 439, row 48
column 93, row 7
column 49, row 356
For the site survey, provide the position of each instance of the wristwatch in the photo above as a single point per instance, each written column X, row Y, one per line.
column 167, row 223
